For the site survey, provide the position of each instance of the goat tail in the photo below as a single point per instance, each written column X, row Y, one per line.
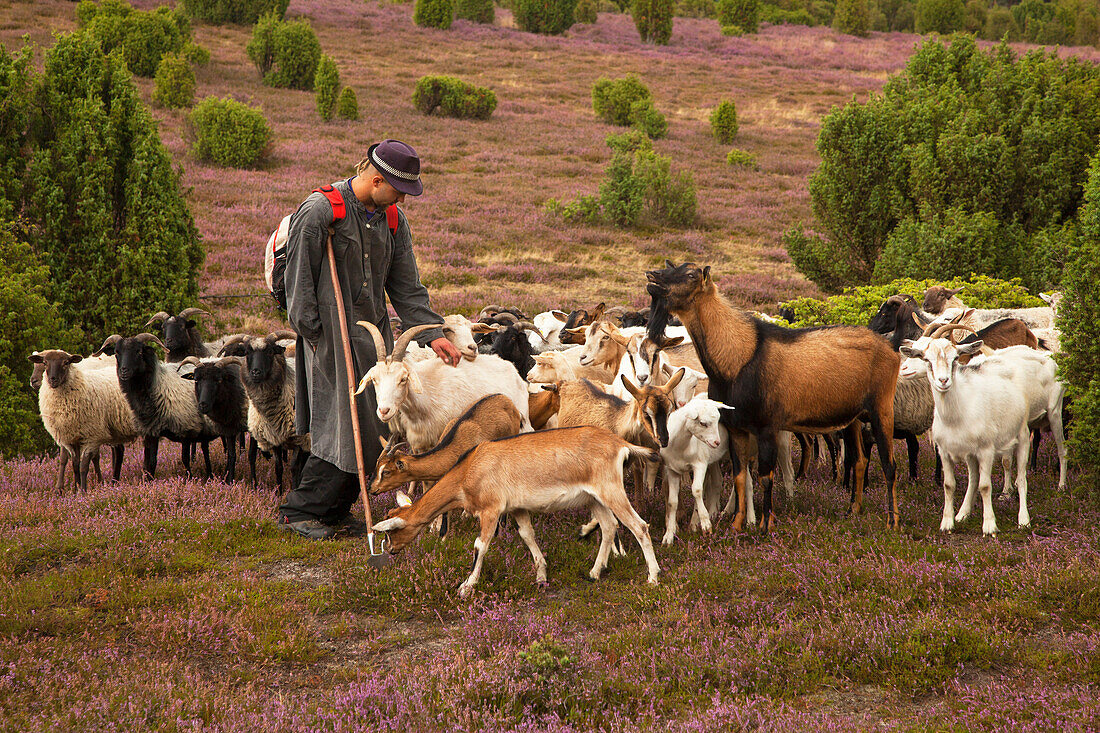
column 646, row 454
column 1045, row 345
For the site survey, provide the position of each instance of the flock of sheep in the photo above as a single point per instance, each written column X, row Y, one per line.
column 546, row 414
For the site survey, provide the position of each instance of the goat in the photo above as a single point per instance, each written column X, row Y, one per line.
column 565, row 366
column 579, row 319
column 547, row 471
column 939, row 298
column 899, row 318
column 220, row 395
column 1050, row 338
column 82, row 410
column 181, row 334
column 549, row 325
column 774, row 376
column 163, row 403
column 643, row 420
column 980, row 414
column 419, row 398
column 489, row 418
column 461, row 332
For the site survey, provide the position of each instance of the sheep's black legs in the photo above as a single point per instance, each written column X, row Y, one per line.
column 118, row 452
column 149, row 465
column 253, row 448
column 912, row 448
column 206, row 458
column 230, row 458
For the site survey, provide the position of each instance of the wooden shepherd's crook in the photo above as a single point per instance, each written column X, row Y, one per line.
column 378, row 555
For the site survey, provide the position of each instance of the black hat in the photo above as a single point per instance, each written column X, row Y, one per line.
column 398, row 164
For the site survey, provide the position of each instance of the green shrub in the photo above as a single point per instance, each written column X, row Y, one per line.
column 732, row 30
column 855, row 306
column 347, row 106
column 940, row 16
column 144, row 37
column 964, row 131
column 242, row 12
column 781, row 16
column 1000, row 25
column 453, row 98
column 544, row 16
column 975, row 14
column 639, row 188
column 326, row 84
column 696, row 9
column 261, row 47
column 101, row 194
column 479, row 11
column 723, row 121
column 613, row 99
column 744, row 14
column 195, row 54
column 853, row 17
column 653, row 19
column 742, row 159
column 586, row 11
column 645, row 118
column 174, row 84
column 434, row 13
column 228, row 132
column 1079, row 321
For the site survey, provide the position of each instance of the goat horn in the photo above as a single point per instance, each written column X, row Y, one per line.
column 145, row 338
column 188, row 312
column 406, row 337
column 282, row 333
column 109, row 341
column 379, row 342
column 926, row 328
column 162, row 316
column 947, row 328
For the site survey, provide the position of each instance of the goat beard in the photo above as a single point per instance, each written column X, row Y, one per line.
column 658, row 318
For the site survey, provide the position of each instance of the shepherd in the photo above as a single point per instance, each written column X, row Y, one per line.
column 374, row 258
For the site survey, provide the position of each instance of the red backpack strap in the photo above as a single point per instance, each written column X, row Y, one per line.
column 335, row 199
column 391, row 218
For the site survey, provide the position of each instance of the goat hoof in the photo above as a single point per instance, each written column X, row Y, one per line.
column 947, row 525
column 465, row 590
column 739, row 521
column 668, row 539
column 543, row 584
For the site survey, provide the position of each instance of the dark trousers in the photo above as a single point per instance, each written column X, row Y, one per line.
column 324, row 493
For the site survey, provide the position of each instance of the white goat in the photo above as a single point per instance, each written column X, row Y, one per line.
column 419, row 398
column 459, row 330
column 980, row 414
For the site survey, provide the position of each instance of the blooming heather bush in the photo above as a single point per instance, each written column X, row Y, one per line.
column 326, row 82
column 856, row 305
column 479, row 11
column 745, row 14
column 144, row 37
column 544, row 16
column 937, row 153
column 434, row 13
column 1079, row 320
column 242, row 12
column 742, row 159
column 453, row 98
column 586, row 11
column 102, row 196
column 852, row 17
column 286, row 53
column 347, row 106
column 174, row 84
column 229, row 133
column 723, row 121
column 940, row 16
column 614, row 99
column 653, row 19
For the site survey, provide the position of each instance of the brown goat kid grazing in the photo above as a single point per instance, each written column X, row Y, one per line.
column 808, row 380
column 547, row 471
column 489, row 418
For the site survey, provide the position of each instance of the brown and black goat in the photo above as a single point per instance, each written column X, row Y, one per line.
column 810, row 380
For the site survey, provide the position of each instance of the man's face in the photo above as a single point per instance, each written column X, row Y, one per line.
column 383, row 194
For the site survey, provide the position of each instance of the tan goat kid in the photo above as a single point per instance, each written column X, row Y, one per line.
column 548, row 471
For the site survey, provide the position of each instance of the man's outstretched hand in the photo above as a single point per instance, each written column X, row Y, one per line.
column 446, row 351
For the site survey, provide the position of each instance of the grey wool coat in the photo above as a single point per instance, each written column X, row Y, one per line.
column 370, row 263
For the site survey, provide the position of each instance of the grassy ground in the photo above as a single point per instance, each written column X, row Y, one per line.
column 174, row 604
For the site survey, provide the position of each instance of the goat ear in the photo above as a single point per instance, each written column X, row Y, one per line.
column 633, row 390
column 382, row 440
column 1046, row 298
column 560, row 315
column 414, row 383
column 907, row 350
column 551, row 387
column 387, row 525
column 706, row 274
column 970, row 348
column 367, row 379
column 967, row 313
column 674, row 341
column 483, row 328
column 674, row 380
column 403, row 499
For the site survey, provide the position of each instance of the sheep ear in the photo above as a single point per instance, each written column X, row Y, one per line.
column 36, row 358
column 387, row 525
column 75, row 358
column 403, row 499
column 190, row 376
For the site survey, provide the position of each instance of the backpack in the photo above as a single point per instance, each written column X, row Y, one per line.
column 275, row 250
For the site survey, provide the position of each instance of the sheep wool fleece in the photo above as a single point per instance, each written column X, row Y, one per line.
column 370, row 264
